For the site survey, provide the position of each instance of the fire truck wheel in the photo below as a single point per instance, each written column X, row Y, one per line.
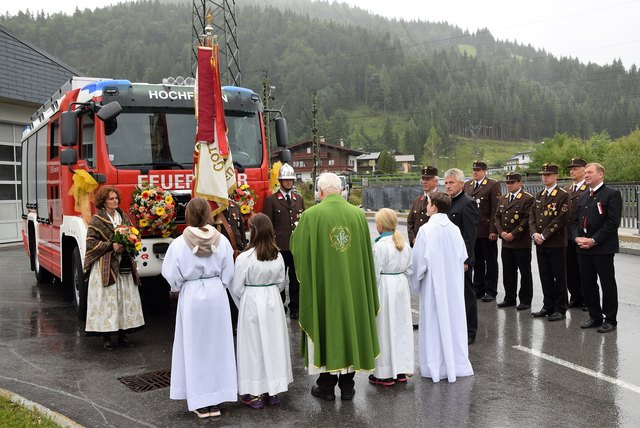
column 42, row 275
column 79, row 286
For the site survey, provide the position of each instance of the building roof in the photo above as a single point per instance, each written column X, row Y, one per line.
column 369, row 156
column 348, row 150
column 405, row 158
column 27, row 73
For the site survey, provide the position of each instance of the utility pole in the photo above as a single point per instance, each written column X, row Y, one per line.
column 220, row 15
column 266, row 116
column 316, row 141
column 474, row 130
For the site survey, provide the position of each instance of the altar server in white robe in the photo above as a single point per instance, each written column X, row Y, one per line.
column 199, row 265
column 439, row 254
column 264, row 361
column 392, row 259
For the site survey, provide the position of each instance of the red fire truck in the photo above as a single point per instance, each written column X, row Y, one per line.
column 123, row 134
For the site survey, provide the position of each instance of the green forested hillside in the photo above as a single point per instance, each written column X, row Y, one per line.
column 381, row 84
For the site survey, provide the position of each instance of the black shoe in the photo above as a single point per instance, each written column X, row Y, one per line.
column 124, row 341
column 347, row 395
column 556, row 316
column 479, row 296
column 541, row 313
column 591, row 323
column 585, row 309
column 106, row 343
column 293, row 315
column 471, row 341
column 488, row 298
column 522, row 306
column 606, row 327
column 505, row 304
column 327, row 396
column 574, row 304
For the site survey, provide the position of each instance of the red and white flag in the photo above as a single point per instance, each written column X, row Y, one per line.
column 214, row 175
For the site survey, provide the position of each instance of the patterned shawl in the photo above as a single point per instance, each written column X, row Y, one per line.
column 100, row 248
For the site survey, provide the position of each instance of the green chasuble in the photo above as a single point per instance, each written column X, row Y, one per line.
column 331, row 248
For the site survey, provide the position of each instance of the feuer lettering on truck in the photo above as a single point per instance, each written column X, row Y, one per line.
column 172, row 95
column 178, row 181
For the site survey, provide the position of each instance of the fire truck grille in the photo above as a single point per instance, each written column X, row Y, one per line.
column 148, row 381
column 181, row 203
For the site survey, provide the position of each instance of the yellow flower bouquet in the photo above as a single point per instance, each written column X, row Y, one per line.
column 129, row 238
column 154, row 210
column 246, row 198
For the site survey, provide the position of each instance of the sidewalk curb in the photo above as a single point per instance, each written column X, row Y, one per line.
column 58, row 418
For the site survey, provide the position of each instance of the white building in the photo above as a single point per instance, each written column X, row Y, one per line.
column 518, row 161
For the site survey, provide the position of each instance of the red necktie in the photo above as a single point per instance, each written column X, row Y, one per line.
column 591, row 193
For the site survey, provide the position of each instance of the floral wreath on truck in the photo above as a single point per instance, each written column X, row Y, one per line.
column 154, row 210
column 246, row 198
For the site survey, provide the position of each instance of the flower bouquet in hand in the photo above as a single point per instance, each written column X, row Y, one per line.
column 246, row 198
column 154, row 210
column 129, row 238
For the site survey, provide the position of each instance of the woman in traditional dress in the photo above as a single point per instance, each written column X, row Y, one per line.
column 199, row 265
column 392, row 259
column 113, row 298
column 264, row 362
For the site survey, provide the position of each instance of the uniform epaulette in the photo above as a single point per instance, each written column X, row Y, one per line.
column 558, row 187
column 527, row 193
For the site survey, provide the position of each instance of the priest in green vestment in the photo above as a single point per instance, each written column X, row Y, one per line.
column 331, row 246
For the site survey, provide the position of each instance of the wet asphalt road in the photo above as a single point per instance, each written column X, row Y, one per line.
column 529, row 372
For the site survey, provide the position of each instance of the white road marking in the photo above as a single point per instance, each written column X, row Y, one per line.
column 572, row 366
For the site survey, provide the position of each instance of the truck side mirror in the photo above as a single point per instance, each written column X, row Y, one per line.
column 69, row 128
column 108, row 114
column 281, row 132
column 68, row 157
column 109, row 111
column 285, row 155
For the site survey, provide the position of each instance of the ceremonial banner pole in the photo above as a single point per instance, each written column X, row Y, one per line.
column 213, row 173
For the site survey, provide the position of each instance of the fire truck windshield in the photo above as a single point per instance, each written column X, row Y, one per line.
column 165, row 139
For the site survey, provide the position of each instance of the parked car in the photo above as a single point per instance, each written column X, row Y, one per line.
column 345, row 189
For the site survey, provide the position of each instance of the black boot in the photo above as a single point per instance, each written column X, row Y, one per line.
column 124, row 341
column 106, row 342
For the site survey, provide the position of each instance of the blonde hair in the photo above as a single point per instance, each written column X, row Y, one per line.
column 388, row 220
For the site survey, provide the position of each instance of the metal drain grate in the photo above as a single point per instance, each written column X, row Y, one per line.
column 148, row 381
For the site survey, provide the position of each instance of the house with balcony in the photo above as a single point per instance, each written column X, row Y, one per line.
column 334, row 158
column 518, row 162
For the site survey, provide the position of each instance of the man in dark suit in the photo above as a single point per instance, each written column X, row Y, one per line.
column 512, row 225
column 575, row 190
column 464, row 214
column 284, row 209
column 418, row 213
column 595, row 231
column 548, row 227
column 486, row 193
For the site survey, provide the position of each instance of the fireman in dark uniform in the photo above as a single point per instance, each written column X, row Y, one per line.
column 418, row 213
column 575, row 190
column 548, row 227
column 230, row 223
column 512, row 226
column 284, row 209
column 486, row 192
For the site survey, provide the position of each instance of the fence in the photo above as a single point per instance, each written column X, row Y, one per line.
column 399, row 195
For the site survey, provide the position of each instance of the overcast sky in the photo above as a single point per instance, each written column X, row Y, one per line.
column 591, row 30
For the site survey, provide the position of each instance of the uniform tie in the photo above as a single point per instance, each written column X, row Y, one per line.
column 476, row 186
column 288, row 199
column 575, row 187
column 511, row 196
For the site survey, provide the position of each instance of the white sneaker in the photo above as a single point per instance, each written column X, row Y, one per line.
column 203, row 412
